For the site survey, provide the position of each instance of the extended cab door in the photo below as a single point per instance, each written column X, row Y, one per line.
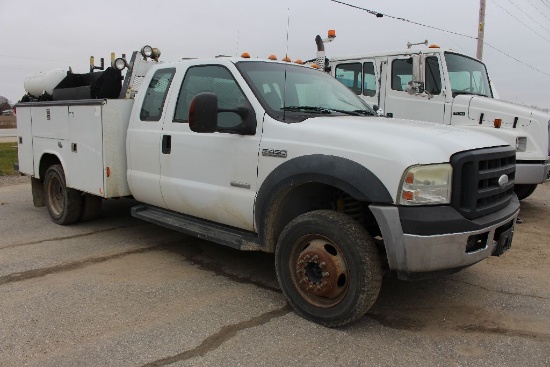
column 144, row 138
column 400, row 104
column 210, row 175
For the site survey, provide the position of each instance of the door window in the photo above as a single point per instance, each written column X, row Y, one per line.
column 350, row 76
column 369, row 79
column 402, row 74
column 213, row 79
column 153, row 103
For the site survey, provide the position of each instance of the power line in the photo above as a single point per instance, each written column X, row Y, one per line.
column 513, row 58
column 540, row 11
column 380, row 15
column 530, row 17
column 545, row 3
column 516, row 18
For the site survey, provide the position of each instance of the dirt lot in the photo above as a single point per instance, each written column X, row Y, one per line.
column 120, row 292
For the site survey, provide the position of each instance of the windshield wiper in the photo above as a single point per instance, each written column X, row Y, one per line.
column 365, row 112
column 311, row 109
column 323, row 110
column 456, row 93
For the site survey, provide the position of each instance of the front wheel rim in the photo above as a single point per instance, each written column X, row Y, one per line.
column 319, row 271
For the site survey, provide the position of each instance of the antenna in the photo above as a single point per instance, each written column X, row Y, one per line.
column 237, row 48
column 286, row 56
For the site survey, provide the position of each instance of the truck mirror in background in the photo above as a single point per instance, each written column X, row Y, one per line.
column 203, row 113
column 417, row 84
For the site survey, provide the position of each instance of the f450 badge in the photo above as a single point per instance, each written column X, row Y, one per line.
column 278, row 153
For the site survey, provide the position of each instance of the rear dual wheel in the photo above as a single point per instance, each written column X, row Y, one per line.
column 328, row 267
column 64, row 204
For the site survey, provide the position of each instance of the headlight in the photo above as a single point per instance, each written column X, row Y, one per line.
column 426, row 185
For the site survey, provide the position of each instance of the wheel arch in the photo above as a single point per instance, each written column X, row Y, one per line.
column 47, row 160
column 302, row 184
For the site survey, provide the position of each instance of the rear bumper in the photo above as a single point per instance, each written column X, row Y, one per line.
column 532, row 173
column 417, row 253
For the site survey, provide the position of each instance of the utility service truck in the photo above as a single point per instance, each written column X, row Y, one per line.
column 271, row 156
column 446, row 87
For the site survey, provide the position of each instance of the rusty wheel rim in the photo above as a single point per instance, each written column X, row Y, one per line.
column 319, row 271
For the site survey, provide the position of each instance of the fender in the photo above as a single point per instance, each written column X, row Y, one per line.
column 342, row 173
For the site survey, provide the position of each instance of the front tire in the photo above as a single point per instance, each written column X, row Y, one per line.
column 523, row 191
column 328, row 267
column 64, row 204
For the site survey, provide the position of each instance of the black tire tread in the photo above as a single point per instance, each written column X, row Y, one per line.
column 91, row 207
column 73, row 201
column 523, row 191
column 369, row 258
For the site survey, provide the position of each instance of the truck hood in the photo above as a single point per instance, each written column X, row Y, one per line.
column 386, row 147
column 530, row 123
column 424, row 142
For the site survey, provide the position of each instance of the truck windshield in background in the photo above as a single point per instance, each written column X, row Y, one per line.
column 293, row 93
column 467, row 76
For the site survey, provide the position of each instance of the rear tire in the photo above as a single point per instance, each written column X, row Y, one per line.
column 91, row 207
column 64, row 204
column 328, row 267
column 523, row 191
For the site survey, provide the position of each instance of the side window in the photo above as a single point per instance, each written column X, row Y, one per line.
column 369, row 79
column 401, row 73
column 151, row 110
column 350, row 75
column 214, row 79
column 433, row 76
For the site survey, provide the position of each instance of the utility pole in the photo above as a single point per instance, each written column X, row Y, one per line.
column 480, row 29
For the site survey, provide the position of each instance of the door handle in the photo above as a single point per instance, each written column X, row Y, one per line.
column 166, row 144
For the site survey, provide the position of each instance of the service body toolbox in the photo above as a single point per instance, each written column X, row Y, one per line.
column 88, row 136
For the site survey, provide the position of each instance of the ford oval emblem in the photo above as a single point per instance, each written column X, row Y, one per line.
column 503, row 180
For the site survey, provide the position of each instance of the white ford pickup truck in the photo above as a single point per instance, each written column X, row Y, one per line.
column 277, row 157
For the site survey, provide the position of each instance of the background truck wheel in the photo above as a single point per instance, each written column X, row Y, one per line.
column 64, row 204
column 523, row 191
column 91, row 207
column 328, row 267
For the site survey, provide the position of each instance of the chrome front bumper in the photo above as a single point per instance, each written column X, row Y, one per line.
column 408, row 253
column 532, row 173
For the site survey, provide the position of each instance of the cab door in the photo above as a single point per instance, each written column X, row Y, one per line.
column 143, row 144
column 400, row 104
column 210, row 175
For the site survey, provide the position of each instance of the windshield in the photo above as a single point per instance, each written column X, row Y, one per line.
column 467, row 76
column 293, row 93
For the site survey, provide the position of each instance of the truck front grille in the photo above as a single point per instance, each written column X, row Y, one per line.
column 483, row 180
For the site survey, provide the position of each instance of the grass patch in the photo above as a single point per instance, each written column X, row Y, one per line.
column 8, row 156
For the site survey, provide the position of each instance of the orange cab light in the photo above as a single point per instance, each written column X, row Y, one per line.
column 272, row 57
column 331, row 33
column 433, row 46
column 286, row 59
column 315, row 66
column 300, row 62
column 108, row 172
column 498, row 123
column 245, row 55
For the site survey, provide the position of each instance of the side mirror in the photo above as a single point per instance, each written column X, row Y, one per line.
column 203, row 113
column 418, row 82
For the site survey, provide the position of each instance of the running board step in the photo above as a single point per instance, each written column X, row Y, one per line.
column 207, row 230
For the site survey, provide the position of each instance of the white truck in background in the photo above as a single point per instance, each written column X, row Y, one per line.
column 269, row 156
column 447, row 87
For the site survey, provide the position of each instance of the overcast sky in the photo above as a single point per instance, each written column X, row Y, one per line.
column 42, row 35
